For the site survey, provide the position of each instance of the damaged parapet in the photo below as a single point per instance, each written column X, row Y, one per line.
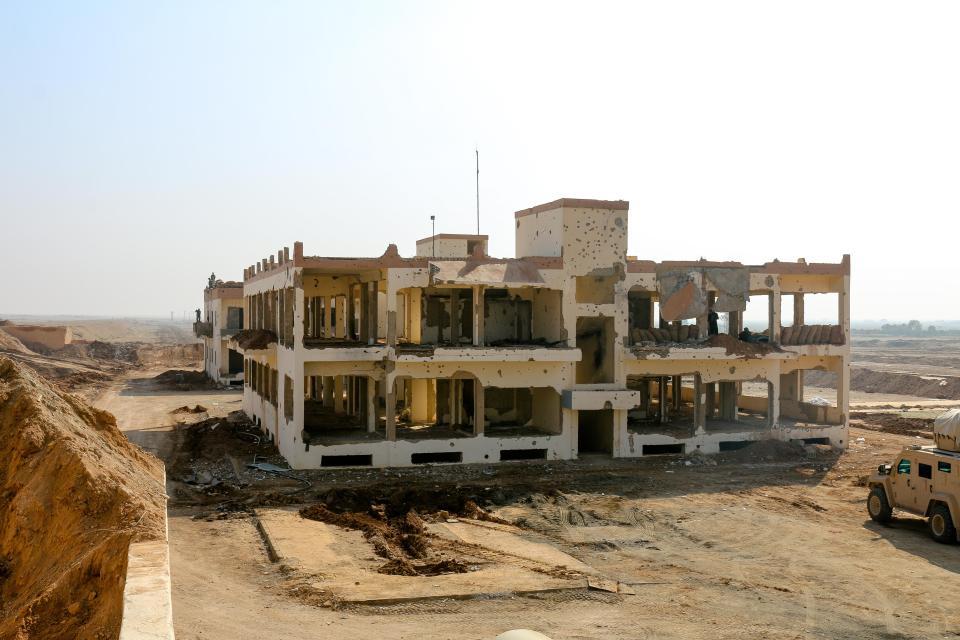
column 570, row 347
column 220, row 320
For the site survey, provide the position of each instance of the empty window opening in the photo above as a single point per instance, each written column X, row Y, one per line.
column 234, row 362
column 522, row 317
column 355, row 460
column 738, row 406
column 595, row 431
column 666, row 405
column 523, row 454
column 440, row 457
column 433, row 408
column 663, row 449
column 734, row 445
column 811, row 318
column 338, row 409
column 595, row 341
column 808, row 398
column 521, row 411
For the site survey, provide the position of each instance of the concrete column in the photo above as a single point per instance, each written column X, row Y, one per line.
column 677, row 387
column 662, row 394
column 454, row 403
column 327, row 391
column 736, row 323
column 338, row 394
column 699, row 405
column 478, row 315
column 843, row 310
column 370, row 385
column 478, row 408
column 390, row 409
column 797, row 309
column 392, row 320
column 728, row 401
column 773, row 401
column 455, row 316
column 348, row 308
column 373, row 313
column 843, row 390
column 774, row 316
column 711, row 396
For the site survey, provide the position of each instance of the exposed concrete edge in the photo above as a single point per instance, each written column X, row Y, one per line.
column 265, row 536
column 147, row 601
column 580, row 586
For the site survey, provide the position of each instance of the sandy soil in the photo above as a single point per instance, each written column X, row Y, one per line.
column 767, row 549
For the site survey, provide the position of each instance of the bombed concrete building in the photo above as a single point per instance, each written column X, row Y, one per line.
column 570, row 348
column 220, row 319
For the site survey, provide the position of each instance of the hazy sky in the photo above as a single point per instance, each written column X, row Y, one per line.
column 145, row 144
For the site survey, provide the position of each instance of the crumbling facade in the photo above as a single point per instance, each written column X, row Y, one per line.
column 220, row 319
column 570, row 348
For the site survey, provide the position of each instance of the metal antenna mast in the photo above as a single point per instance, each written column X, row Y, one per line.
column 477, row 151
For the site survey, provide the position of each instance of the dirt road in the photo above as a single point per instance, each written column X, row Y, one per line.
column 767, row 549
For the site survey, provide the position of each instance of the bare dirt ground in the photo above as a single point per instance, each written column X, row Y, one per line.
column 768, row 543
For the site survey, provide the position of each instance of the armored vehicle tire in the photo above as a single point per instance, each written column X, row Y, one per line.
column 877, row 505
column 941, row 524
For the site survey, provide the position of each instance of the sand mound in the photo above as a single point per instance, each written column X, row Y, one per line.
column 74, row 492
column 10, row 343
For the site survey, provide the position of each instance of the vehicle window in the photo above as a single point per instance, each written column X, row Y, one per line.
column 924, row 470
column 943, row 466
column 903, row 466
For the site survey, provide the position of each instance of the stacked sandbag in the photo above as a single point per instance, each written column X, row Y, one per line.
column 946, row 430
column 672, row 334
column 812, row 334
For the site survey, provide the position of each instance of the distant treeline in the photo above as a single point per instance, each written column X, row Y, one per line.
column 912, row 328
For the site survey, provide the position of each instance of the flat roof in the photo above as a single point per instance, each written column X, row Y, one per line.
column 570, row 203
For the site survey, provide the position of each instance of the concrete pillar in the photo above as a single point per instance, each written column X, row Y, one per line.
column 454, row 402
column 478, row 315
column 797, row 309
column 773, row 401
column 373, row 313
column 338, row 394
column 455, row 316
column 843, row 389
column 390, row 409
column 676, row 386
column 393, row 321
column 736, row 323
column 728, row 401
column 843, row 310
column 711, row 400
column 478, row 409
column 699, row 405
column 662, row 396
column 420, row 400
column 327, row 391
column 348, row 308
column 774, row 316
column 370, row 385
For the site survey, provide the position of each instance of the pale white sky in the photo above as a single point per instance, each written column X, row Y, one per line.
column 142, row 147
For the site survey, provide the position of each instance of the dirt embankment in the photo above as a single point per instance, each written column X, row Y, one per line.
column 893, row 423
column 907, row 384
column 74, row 492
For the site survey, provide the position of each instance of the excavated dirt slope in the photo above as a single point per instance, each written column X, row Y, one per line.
column 73, row 494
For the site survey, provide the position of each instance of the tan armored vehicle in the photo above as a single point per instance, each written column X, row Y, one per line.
column 924, row 481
